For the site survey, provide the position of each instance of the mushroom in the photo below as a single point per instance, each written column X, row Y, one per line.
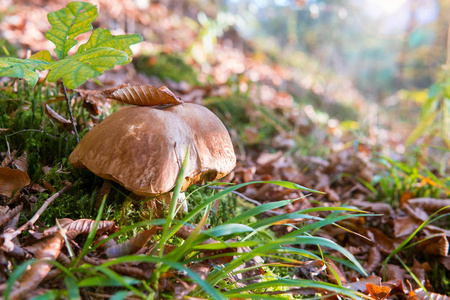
column 142, row 147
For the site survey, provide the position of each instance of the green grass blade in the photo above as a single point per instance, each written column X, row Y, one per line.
column 107, row 281
column 258, row 210
column 63, row 269
column 211, row 199
column 271, row 245
column 227, row 229
column 120, row 295
column 224, row 245
column 209, row 290
column 91, row 235
column 412, row 235
column 118, row 278
column 322, row 223
column 72, row 288
column 50, row 295
column 155, row 222
column 298, row 283
column 16, row 275
column 173, row 204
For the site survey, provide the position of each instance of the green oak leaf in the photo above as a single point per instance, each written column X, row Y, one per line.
column 102, row 37
column 22, row 68
column 42, row 55
column 78, row 68
column 69, row 22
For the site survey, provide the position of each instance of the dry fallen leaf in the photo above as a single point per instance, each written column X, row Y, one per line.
column 21, row 163
column 374, row 260
column 84, row 226
column 435, row 246
column 55, row 116
column 9, row 215
column 132, row 245
column 8, row 159
column 49, row 250
column 143, row 95
column 377, row 291
column 431, row 204
column 12, row 180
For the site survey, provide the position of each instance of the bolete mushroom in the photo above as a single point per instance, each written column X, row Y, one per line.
column 142, row 147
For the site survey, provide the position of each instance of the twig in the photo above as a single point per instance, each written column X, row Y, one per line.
column 47, row 202
column 7, row 238
column 35, row 130
column 70, row 111
column 36, row 216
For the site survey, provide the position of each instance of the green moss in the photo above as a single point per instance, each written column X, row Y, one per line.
column 166, row 66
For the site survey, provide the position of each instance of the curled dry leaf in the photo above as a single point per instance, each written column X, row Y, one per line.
column 84, row 226
column 21, row 163
column 142, row 95
column 12, row 180
column 10, row 215
column 132, row 245
column 50, row 249
column 53, row 230
column 93, row 102
column 8, row 159
column 437, row 246
column 55, row 116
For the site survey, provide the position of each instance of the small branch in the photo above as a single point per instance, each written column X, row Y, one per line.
column 47, row 202
column 70, row 111
column 36, row 216
column 6, row 238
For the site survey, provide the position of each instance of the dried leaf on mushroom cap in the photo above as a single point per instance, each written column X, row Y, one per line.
column 142, row 95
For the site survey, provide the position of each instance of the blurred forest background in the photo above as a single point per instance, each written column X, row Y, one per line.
column 382, row 46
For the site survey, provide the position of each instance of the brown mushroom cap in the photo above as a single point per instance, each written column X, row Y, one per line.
column 142, row 148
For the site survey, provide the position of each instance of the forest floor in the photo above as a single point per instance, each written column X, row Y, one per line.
column 287, row 122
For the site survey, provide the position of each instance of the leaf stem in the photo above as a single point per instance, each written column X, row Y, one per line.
column 70, row 111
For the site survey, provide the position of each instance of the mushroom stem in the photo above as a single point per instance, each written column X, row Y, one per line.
column 181, row 201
